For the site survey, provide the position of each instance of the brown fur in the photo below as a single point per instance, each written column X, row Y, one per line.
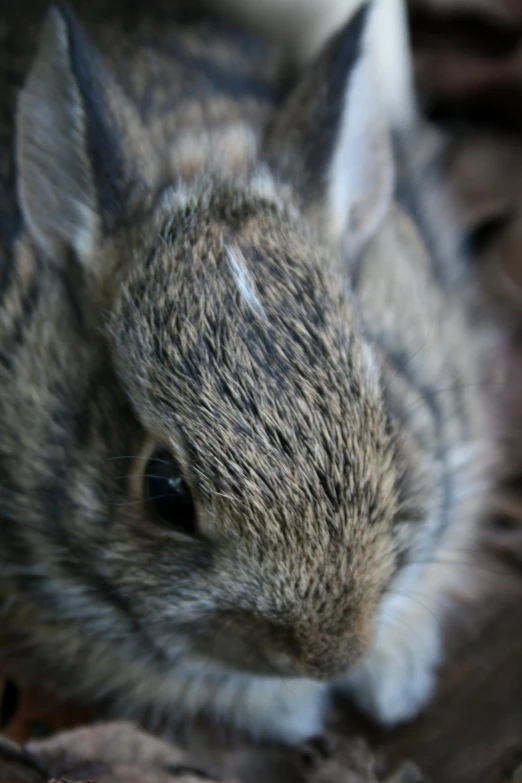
column 164, row 285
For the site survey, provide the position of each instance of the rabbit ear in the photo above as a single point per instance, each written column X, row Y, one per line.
column 331, row 138
column 74, row 180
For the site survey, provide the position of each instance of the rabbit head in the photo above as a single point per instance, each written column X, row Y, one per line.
column 207, row 471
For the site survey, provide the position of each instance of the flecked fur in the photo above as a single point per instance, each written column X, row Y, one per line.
column 168, row 277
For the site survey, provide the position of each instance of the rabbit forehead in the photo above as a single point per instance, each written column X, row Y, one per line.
column 235, row 340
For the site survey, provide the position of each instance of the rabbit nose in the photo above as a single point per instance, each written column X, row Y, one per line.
column 322, row 661
column 326, row 667
column 331, row 655
column 314, row 667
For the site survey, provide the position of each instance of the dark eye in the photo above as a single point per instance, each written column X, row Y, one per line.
column 167, row 494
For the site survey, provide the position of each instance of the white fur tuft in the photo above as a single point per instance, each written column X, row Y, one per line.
column 245, row 285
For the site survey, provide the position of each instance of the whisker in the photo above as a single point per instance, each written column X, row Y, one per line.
column 146, row 459
column 411, row 597
column 399, row 622
column 138, row 502
column 462, row 564
column 138, row 475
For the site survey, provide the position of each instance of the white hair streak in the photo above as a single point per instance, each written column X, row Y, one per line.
column 243, row 281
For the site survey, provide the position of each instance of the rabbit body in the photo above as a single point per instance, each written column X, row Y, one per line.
column 200, row 261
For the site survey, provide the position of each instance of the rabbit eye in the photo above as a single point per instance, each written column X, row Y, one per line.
column 167, row 494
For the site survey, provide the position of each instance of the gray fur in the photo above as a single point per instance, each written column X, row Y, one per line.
column 320, row 401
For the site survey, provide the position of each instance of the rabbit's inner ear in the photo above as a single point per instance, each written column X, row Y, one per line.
column 73, row 177
column 331, row 139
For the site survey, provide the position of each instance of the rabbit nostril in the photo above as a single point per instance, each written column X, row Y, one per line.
column 325, row 668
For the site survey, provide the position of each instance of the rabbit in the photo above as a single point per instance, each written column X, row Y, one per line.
column 240, row 435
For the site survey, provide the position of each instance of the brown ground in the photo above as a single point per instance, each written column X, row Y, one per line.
column 469, row 67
